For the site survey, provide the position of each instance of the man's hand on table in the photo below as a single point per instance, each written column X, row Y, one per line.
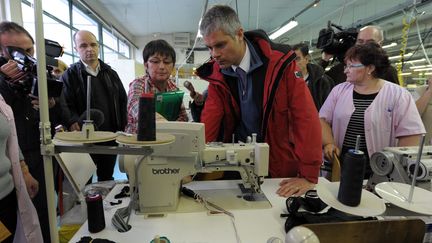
column 294, row 187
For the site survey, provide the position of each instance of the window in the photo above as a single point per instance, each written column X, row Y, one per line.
column 67, row 59
column 124, row 49
column 83, row 22
column 58, row 27
column 109, row 39
column 109, row 55
column 57, row 8
column 53, row 30
column 56, row 31
column 28, row 18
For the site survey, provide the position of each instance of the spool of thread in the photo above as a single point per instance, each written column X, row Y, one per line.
column 95, row 213
column 146, row 130
column 351, row 181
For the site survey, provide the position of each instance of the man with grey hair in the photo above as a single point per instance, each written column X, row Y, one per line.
column 369, row 33
column 254, row 88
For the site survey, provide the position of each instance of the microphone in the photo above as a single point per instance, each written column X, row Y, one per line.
column 196, row 97
column 96, row 115
column 188, row 85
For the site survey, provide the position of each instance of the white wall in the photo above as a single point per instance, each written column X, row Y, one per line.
column 199, row 56
column 127, row 70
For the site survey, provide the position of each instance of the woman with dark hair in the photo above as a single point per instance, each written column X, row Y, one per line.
column 159, row 60
column 382, row 113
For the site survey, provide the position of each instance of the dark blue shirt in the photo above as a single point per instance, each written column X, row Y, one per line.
column 249, row 110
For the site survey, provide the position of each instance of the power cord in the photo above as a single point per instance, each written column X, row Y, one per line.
column 211, row 207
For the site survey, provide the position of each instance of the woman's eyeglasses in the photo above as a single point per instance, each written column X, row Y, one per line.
column 353, row 65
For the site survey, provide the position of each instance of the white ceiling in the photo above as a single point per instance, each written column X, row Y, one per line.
column 142, row 20
column 146, row 17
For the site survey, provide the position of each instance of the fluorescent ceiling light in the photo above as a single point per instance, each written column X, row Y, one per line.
column 405, row 74
column 422, row 69
column 398, row 56
column 418, row 60
column 283, row 29
column 413, row 61
column 422, row 66
column 390, row 45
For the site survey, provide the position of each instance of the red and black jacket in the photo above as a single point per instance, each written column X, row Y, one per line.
column 289, row 124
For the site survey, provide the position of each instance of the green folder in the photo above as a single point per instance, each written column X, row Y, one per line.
column 168, row 104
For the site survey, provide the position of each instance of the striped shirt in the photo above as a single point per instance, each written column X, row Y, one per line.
column 356, row 123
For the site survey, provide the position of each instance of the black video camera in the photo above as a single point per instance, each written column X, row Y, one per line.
column 28, row 65
column 338, row 43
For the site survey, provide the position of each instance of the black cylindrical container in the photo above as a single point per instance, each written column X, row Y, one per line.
column 146, row 130
column 351, row 181
column 95, row 213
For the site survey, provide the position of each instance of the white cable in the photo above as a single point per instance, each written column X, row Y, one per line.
column 235, row 229
column 257, row 14
column 187, row 57
column 342, row 12
column 193, row 47
column 206, row 205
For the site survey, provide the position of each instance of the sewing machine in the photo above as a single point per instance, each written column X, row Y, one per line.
column 396, row 164
column 158, row 177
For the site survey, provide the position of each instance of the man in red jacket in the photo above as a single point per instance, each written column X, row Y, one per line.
column 254, row 88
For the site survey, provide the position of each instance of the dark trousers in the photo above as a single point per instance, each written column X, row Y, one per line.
column 8, row 214
column 105, row 166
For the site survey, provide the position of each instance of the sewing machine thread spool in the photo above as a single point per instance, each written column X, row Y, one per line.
column 146, row 130
column 95, row 213
column 424, row 171
column 351, row 182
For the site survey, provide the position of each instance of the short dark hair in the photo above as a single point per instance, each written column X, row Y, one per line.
column 158, row 47
column 12, row 27
column 302, row 47
column 370, row 53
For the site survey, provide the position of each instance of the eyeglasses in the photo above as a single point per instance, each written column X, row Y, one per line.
column 354, row 65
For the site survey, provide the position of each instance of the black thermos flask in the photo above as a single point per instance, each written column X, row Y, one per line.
column 351, row 181
column 95, row 213
column 146, row 130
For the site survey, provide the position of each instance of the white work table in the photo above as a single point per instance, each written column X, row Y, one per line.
column 253, row 225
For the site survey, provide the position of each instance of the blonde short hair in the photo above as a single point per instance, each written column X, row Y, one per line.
column 61, row 65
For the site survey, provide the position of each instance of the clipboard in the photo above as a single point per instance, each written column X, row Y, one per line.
column 168, row 104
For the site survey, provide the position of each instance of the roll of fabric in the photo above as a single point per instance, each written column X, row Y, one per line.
column 351, row 181
column 146, row 129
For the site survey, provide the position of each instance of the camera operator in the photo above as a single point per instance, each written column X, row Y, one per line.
column 366, row 34
column 24, row 106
